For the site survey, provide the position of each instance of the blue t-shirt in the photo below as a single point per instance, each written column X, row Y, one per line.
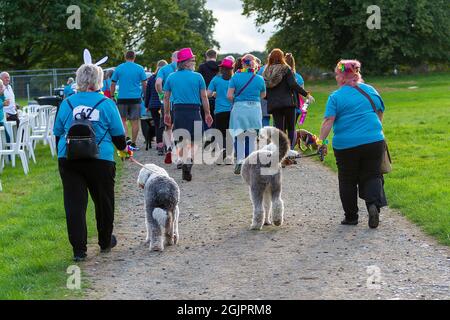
column 261, row 70
column 105, row 119
column 220, row 86
column 356, row 123
column 68, row 91
column 253, row 90
column 166, row 71
column 106, row 85
column 185, row 86
column 299, row 79
column 129, row 76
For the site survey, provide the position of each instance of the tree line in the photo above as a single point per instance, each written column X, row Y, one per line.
column 34, row 33
column 412, row 33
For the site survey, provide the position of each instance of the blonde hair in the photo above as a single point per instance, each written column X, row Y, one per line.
column 1, row 84
column 89, row 78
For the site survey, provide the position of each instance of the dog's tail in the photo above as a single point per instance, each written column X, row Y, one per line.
column 280, row 140
column 160, row 215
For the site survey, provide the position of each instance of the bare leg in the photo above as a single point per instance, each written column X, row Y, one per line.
column 125, row 126
column 134, row 130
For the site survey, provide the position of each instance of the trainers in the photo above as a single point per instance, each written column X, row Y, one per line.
column 128, row 141
column 350, row 221
column 112, row 245
column 374, row 216
column 186, row 173
column 79, row 257
column 160, row 151
column 237, row 168
column 133, row 147
column 168, row 158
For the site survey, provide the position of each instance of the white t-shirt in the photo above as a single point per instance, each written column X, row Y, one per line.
column 9, row 94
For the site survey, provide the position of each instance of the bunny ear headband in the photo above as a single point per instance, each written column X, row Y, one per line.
column 88, row 58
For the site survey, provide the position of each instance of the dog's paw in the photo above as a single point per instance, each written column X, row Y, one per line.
column 267, row 223
column 256, row 227
column 156, row 247
column 170, row 241
column 278, row 222
column 176, row 238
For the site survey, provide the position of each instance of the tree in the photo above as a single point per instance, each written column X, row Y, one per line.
column 319, row 32
column 34, row 33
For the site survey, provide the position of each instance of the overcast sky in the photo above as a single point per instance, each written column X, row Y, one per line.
column 234, row 32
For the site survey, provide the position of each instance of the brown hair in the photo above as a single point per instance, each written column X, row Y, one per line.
column 276, row 57
column 238, row 64
column 227, row 73
column 290, row 61
column 130, row 55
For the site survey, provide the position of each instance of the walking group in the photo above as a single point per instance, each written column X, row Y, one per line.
column 238, row 97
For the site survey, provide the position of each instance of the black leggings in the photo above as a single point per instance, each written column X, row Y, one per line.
column 360, row 167
column 222, row 121
column 78, row 177
column 284, row 119
column 159, row 129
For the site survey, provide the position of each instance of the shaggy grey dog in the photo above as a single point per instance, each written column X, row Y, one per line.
column 162, row 195
column 261, row 170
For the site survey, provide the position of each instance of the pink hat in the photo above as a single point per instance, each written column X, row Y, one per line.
column 227, row 63
column 185, row 54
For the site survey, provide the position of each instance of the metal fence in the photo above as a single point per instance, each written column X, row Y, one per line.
column 30, row 84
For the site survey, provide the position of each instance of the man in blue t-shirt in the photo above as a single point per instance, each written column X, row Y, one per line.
column 132, row 81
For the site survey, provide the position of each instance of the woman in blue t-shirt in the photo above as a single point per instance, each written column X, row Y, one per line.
column 219, row 87
column 186, row 89
column 246, row 89
column 95, row 174
column 355, row 112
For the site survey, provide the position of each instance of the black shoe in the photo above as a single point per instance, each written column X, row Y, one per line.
column 374, row 216
column 187, row 175
column 350, row 222
column 180, row 165
column 161, row 152
column 79, row 257
column 128, row 141
column 237, row 168
column 112, row 245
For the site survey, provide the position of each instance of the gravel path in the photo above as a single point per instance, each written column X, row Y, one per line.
column 311, row 256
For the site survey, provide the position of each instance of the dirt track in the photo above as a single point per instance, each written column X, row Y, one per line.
column 311, row 256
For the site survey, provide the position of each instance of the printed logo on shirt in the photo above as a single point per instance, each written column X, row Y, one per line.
column 95, row 116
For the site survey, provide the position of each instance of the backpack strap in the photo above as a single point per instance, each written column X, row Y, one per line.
column 246, row 85
column 95, row 107
column 368, row 98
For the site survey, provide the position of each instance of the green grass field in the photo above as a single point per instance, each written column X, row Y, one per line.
column 417, row 128
column 35, row 252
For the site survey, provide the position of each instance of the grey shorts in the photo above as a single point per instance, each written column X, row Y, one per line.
column 130, row 111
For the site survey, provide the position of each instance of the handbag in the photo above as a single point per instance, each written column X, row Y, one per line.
column 386, row 162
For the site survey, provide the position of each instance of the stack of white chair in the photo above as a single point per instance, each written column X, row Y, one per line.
column 18, row 147
column 47, row 116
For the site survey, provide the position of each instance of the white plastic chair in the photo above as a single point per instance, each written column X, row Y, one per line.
column 47, row 135
column 17, row 148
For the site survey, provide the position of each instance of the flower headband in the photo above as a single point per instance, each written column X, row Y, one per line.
column 343, row 68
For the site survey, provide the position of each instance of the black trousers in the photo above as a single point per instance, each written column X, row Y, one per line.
column 78, row 178
column 159, row 129
column 284, row 119
column 222, row 120
column 359, row 167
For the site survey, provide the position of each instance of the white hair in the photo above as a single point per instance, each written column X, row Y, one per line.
column 4, row 73
column 1, row 84
column 89, row 77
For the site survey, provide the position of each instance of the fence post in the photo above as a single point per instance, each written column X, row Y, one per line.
column 50, row 90
column 28, row 92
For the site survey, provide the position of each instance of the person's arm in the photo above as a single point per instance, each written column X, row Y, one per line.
column 325, row 130
column 167, row 117
column 159, row 85
column 148, row 94
column 263, row 94
column 292, row 82
column 206, row 108
column 144, row 86
column 230, row 94
column 210, row 93
column 119, row 142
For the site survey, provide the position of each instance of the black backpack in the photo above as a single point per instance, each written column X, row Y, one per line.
column 81, row 141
